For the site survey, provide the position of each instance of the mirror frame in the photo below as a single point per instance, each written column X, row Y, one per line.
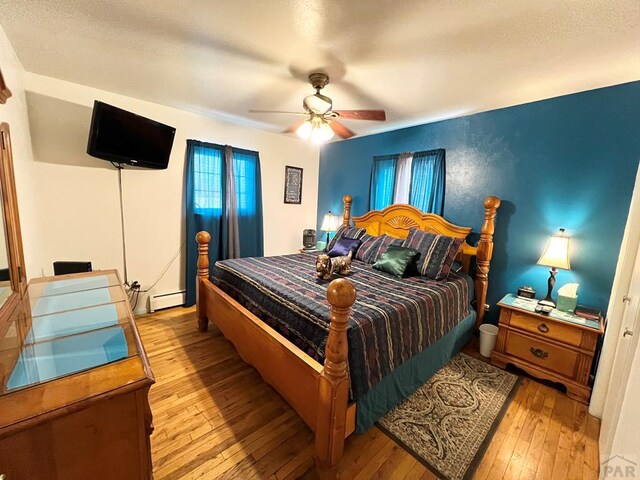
column 12, row 223
column 5, row 93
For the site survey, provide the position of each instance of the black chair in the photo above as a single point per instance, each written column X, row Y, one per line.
column 62, row 268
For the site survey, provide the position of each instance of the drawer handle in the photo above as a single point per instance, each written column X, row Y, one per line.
column 543, row 328
column 539, row 353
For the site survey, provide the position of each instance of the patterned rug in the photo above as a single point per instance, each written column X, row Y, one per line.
column 448, row 423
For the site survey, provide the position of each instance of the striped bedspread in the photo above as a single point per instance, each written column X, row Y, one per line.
column 392, row 319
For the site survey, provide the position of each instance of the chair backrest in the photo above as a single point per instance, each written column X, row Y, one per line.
column 63, row 268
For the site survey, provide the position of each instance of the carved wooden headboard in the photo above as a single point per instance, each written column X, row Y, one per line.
column 396, row 220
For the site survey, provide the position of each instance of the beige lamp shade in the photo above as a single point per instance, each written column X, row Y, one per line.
column 330, row 223
column 556, row 253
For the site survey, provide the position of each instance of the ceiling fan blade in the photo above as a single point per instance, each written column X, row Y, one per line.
column 340, row 130
column 278, row 111
column 378, row 115
column 294, row 127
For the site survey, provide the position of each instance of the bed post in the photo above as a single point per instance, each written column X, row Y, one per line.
column 483, row 256
column 333, row 388
column 203, row 238
column 346, row 213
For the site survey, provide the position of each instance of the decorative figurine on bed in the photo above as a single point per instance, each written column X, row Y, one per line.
column 326, row 266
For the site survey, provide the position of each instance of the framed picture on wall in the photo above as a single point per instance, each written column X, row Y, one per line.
column 292, row 184
column 5, row 93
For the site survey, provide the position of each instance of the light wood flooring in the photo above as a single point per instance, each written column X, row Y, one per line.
column 214, row 418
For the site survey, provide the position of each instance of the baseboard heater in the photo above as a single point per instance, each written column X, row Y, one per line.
column 166, row 300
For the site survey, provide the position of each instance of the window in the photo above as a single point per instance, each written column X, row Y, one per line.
column 416, row 178
column 245, row 165
column 209, row 180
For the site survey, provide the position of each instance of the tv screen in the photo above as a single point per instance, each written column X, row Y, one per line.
column 124, row 137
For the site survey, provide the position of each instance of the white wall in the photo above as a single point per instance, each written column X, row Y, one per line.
column 79, row 194
column 14, row 112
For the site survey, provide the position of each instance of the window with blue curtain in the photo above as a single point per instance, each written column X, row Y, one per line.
column 425, row 185
column 248, row 188
column 207, row 178
column 383, row 177
column 208, row 208
column 427, row 181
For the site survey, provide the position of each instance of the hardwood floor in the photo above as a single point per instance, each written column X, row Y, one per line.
column 214, row 418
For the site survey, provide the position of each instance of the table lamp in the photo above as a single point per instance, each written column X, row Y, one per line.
column 555, row 255
column 329, row 224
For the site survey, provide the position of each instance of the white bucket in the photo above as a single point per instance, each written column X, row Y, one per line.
column 488, row 335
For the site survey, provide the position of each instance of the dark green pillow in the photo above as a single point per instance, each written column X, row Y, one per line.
column 395, row 260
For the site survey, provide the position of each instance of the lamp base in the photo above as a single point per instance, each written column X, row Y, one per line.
column 547, row 303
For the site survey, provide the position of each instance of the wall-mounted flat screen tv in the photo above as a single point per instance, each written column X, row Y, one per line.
column 120, row 136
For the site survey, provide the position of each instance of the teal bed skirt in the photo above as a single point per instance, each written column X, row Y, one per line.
column 409, row 376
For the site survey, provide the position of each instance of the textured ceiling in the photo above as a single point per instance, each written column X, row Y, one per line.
column 419, row 60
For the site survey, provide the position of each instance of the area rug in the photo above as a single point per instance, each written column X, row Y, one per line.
column 448, row 422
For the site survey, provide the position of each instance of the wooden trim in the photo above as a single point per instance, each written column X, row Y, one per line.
column 346, row 210
column 551, row 341
column 333, row 391
column 5, row 93
column 554, row 320
column 575, row 390
column 11, row 227
column 50, row 400
column 11, row 213
column 483, row 257
column 202, row 275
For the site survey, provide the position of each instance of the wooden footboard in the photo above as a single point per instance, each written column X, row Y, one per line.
column 319, row 394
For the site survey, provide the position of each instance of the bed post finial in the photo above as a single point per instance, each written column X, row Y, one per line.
column 202, row 273
column 346, row 214
column 333, row 391
column 483, row 256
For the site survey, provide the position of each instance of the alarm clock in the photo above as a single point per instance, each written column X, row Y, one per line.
column 526, row 292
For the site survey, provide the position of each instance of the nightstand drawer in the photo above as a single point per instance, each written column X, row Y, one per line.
column 549, row 329
column 543, row 354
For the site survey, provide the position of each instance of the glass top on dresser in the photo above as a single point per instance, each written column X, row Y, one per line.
column 74, row 324
column 529, row 305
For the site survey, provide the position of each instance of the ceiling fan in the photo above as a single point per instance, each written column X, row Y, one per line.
column 322, row 120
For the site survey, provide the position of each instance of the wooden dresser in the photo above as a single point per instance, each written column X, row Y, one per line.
column 557, row 347
column 74, row 381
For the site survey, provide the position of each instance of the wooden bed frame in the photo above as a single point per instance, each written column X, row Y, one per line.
column 320, row 393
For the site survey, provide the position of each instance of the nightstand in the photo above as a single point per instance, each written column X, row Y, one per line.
column 559, row 346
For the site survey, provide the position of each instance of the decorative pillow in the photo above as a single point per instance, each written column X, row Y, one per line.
column 351, row 232
column 437, row 252
column 367, row 241
column 377, row 247
column 344, row 246
column 396, row 260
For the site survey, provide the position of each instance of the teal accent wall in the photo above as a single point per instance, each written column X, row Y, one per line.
column 565, row 162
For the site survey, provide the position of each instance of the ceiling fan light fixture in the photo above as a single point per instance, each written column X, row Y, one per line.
column 317, row 103
column 321, row 133
column 304, row 130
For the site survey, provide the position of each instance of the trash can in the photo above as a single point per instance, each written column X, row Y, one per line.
column 488, row 335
